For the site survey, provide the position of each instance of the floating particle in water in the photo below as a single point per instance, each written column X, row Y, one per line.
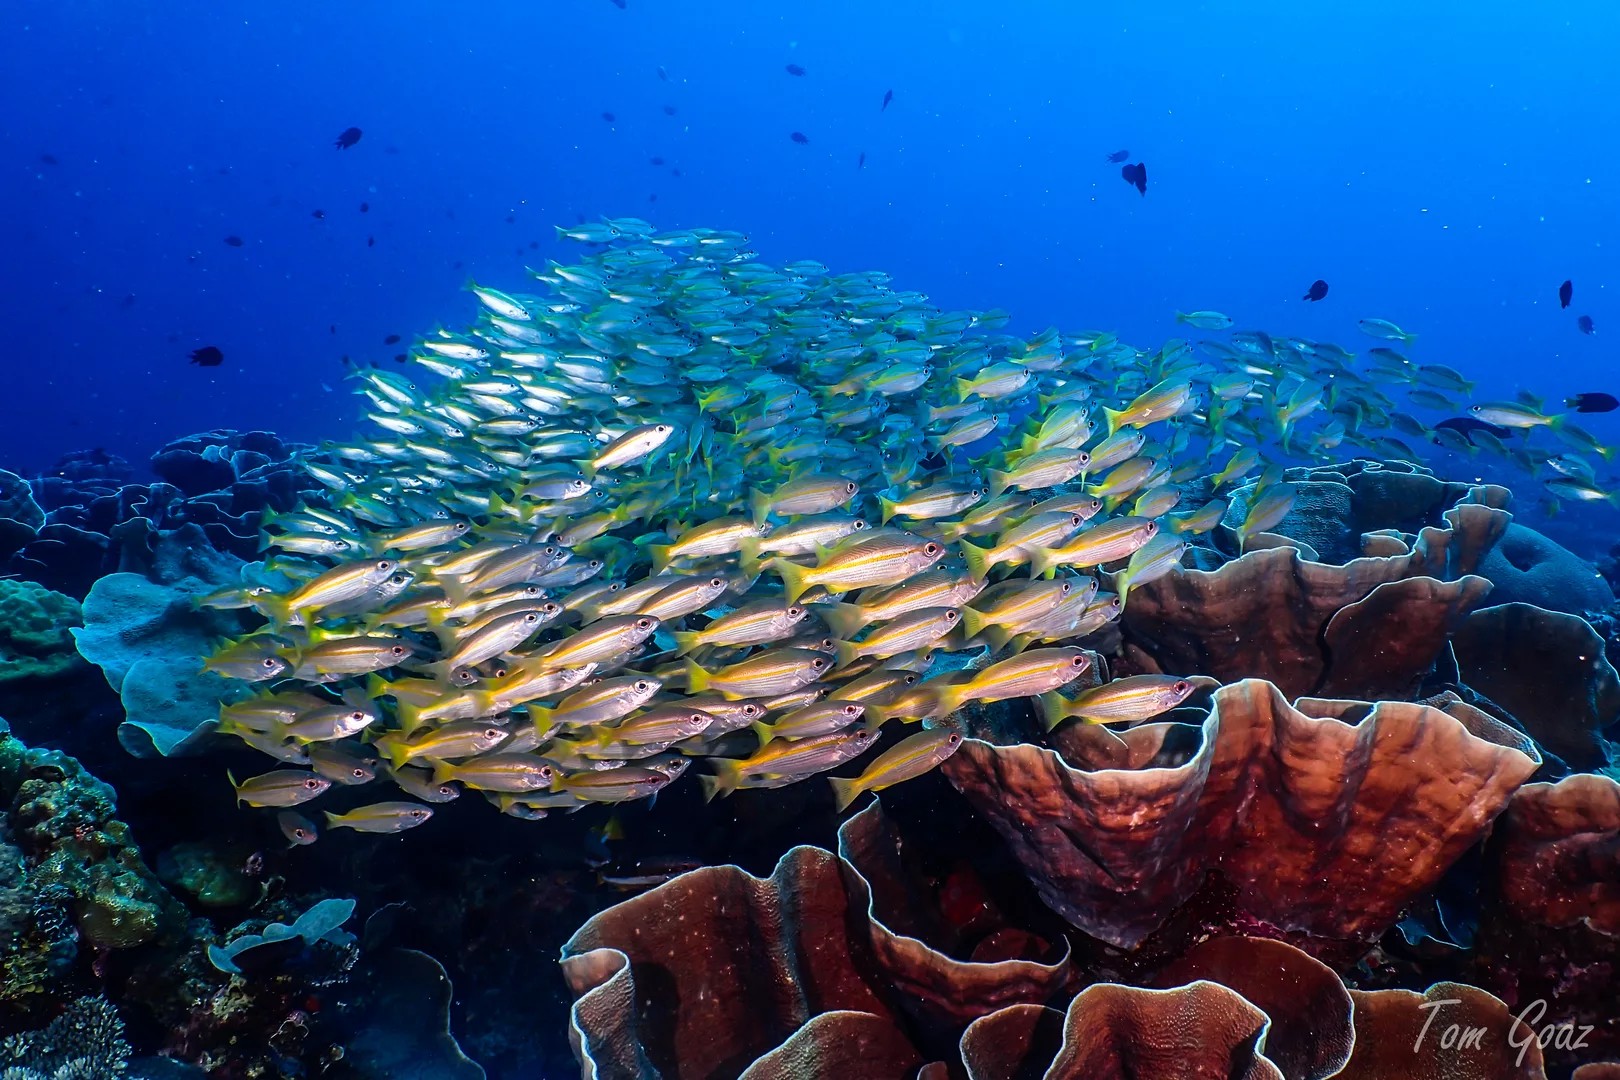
column 799, row 137
column 662, row 74
column 365, row 208
column 1118, row 156
column 391, row 339
column 1317, row 290
column 233, row 241
column 348, row 138
column 128, row 301
column 620, row 4
column 511, row 219
column 207, row 356
column 371, row 241
column 861, row 164
column 1136, row 176
column 1565, row 291
column 399, row 358
column 319, row 215
column 332, row 329
column 48, row 159
column 609, row 117
column 653, row 197
column 670, row 110
column 655, row 161
column 1585, row 324
column 796, row 70
column 675, row 172
column 888, row 96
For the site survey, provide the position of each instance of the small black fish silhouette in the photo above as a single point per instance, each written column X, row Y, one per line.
column 332, row 329
column 799, row 137
column 670, row 110
column 795, row 69
column 233, row 241
column 1565, row 291
column 1585, row 324
column 653, row 197
column 207, row 356
column 888, row 96
column 511, row 219
column 655, row 161
column 399, row 358
column 1136, row 176
column 1592, row 403
column 1318, row 290
column 609, row 117
column 349, row 137
column 861, row 164
column 662, row 74
column 391, row 339
column 365, row 208
column 371, row 241
column 1118, row 156
column 48, row 159
column 318, row 214
column 619, row 4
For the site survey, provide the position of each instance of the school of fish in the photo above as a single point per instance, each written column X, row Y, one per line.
column 677, row 508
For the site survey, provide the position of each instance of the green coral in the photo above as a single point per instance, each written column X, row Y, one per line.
column 62, row 819
column 214, row 877
column 35, row 637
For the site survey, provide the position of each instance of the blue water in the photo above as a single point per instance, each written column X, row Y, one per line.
column 1441, row 165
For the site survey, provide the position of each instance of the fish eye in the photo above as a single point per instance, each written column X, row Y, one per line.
column 311, row 784
column 953, row 738
column 858, row 524
column 751, row 710
column 398, row 650
column 358, row 715
column 1079, row 660
column 715, row 583
column 909, row 679
column 269, row 662
column 930, row 549
column 358, row 773
column 641, row 684
column 384, row 565
column 851, row 488
column 549, row 549
column 531, row 616
column 594, row 563
column 851, row 710
column 642, row 624
column 818, row 662
column 341, row 545
column 400, row 579
column 1152, row 527
column 951, row 615
column 661, row 428
column 546, row 771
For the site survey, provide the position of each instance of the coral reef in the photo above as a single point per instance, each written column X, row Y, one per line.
column 63, row 822
column 85, row 518
column 86, row 1042
column 34, row 638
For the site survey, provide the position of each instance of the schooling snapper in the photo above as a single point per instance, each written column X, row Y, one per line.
column 682, row 506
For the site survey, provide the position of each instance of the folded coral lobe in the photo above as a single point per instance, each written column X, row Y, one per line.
column 1324, row 817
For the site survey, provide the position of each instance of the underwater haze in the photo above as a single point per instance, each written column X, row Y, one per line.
column 713, row 539
column 1444, row 166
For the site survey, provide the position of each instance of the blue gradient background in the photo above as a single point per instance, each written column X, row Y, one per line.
column 1441, row 165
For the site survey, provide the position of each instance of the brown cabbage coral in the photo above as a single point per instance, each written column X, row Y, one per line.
column 1560, row 854
column 1324, row 817
column 719, row 974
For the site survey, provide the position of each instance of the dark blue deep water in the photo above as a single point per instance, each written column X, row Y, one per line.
column 1444, row 166
column 170, row 182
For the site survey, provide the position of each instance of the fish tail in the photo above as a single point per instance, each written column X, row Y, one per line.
column 409, row 715
column 999, row 482
column 964, row 389
column 1408, row 339
column 844, row 620
column 724, row 780
column 231, row 777
column 847, row 652
column 977, row 559
column 763, row 730
column 1181, row 317
column 998, row 636
column 795, row 578
column 443, row 771
column 661, row 554
column 973, row 623
column 1041, row 564
column 888, row 507
column 333, row 821
column 759, row 506
column 1556, row 423
column 844, row 792
column 1115, row 419
column 278, row 609
column 396, row 753
column 697, row 679
column 687, row 640
column 1055, row 708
